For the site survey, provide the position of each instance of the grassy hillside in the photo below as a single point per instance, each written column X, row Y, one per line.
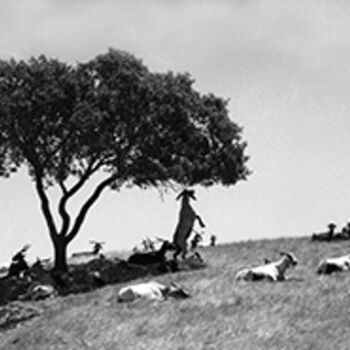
column 307, row 312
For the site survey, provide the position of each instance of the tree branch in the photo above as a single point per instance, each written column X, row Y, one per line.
column 45, row 204
column 38, row 176
column 67, row 194
column 63, row 187
column 87, row 205
column 62, row 209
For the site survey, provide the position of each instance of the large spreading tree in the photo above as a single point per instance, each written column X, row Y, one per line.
column 114, row 117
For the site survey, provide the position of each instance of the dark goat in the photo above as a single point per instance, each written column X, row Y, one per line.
column 187, row 218
column 152, row 257
column 344, row 234
column 19, row 266
column 196, row 240
column 325, row 236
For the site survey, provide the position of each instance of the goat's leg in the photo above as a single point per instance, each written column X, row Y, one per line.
column 184, row 242
column 184, row 251
column 273, row 278
column 177, row 251
column 200, row 221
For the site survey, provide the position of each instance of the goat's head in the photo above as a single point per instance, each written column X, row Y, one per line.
column 25, row 248
column 176, row 291
column 332, row 226
column 187, row 194
column 291, row 258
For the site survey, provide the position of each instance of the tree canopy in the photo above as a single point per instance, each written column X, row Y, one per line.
column 111, row 115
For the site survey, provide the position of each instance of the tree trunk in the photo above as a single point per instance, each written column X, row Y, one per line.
column 60, row 254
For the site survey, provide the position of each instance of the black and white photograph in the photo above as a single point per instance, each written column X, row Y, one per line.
column 174, row 175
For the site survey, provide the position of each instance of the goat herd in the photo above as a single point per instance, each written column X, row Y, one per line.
column 332, row 235
column 272, row 271
column 275, row 271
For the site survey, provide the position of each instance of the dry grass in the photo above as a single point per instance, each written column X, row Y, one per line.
column 306, row 312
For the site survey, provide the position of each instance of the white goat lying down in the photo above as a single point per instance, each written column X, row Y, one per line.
column 327, row 266
column 272, row 271
column 151, row 290
column 39, row 291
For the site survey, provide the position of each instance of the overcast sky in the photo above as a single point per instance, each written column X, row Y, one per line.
column 283, row 65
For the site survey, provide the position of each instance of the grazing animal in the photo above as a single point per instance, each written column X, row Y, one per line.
column 148, row 245
column 273, row 271
column 97, row 246
column 42, row 264
column 196, row 240
column 154, row 257
column 152, row 291
column 95, row 250
column 339, row 264
column 325, row 236
column 344, row 234
column 39, row 291
column 19, row 267
column 185, row 224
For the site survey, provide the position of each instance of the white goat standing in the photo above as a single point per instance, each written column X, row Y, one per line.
column 95, row 250
column 273, row 271
column 184, row 227
column 327, row 266
column 151, row 290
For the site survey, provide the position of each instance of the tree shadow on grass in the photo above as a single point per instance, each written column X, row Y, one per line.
column 81, row 278
column 88, row 276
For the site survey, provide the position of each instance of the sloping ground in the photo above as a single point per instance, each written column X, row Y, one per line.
column 307, row 312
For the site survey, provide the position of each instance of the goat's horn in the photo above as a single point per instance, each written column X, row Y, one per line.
column 179, row 195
